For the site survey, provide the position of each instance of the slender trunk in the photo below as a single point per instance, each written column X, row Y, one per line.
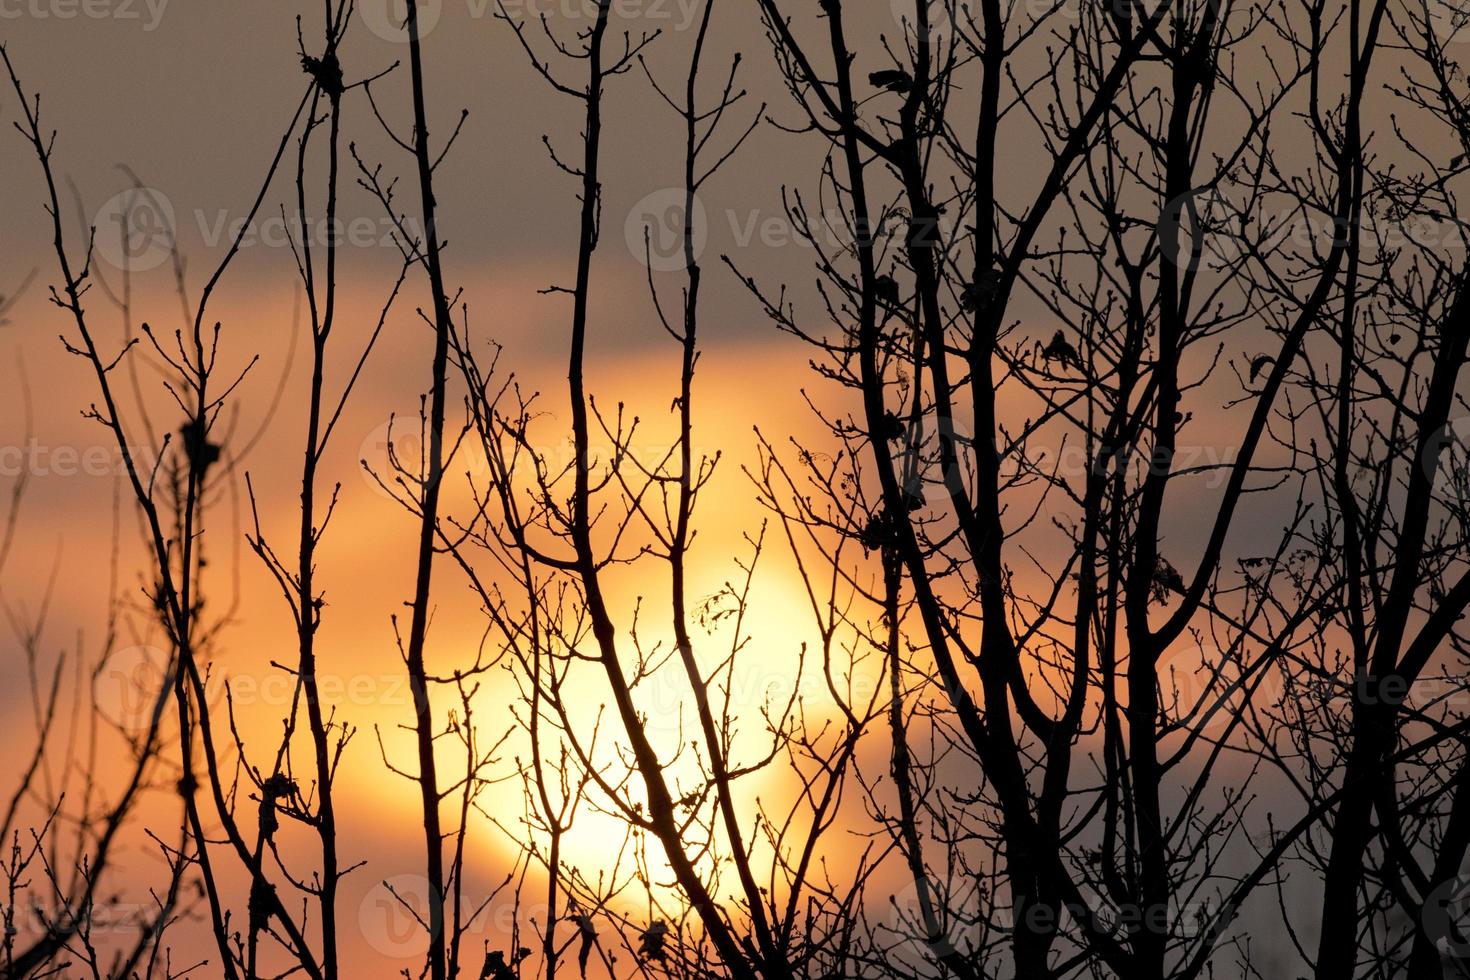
column 439, row 968
column 309, row 614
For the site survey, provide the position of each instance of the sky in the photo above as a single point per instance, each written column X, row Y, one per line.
column 192, row 99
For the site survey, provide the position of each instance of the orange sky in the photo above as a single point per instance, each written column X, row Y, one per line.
column 193, row 104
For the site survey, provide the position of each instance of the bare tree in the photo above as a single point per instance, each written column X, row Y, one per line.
column 1133, row 531
column 1020, row 483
